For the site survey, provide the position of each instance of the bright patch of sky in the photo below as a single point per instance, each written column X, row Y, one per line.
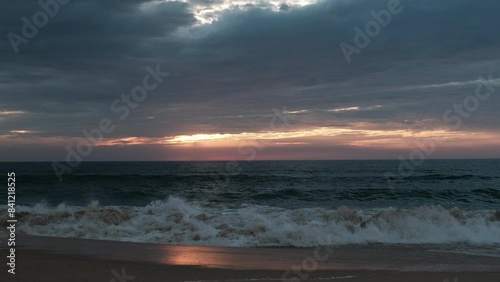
column 207, row 11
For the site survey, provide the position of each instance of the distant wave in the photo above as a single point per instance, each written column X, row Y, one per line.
column 177, row 221
column 372, row 194
column 35, row 178
column 438, row 176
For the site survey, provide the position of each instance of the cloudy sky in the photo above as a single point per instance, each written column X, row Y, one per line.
column 262, row 79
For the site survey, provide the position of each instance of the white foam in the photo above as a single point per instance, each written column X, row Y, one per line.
column 178, row 221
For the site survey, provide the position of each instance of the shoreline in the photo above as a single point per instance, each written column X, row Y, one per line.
column 68, row 259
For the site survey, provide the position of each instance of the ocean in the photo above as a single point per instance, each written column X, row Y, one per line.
column 264, row 203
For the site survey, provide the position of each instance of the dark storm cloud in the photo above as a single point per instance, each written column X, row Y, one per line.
column 88, row 54
column 259, row 59
column 229, row 75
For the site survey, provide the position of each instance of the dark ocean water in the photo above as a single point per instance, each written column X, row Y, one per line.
column 263, row 203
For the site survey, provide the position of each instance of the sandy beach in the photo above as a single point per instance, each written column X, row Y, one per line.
column 46, row 259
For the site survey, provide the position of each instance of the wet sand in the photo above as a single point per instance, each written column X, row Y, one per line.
column 47, row 259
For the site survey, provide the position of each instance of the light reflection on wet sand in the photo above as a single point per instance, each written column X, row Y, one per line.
column 356, row 257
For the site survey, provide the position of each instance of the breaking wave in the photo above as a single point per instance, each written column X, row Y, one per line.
column 177, row 221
